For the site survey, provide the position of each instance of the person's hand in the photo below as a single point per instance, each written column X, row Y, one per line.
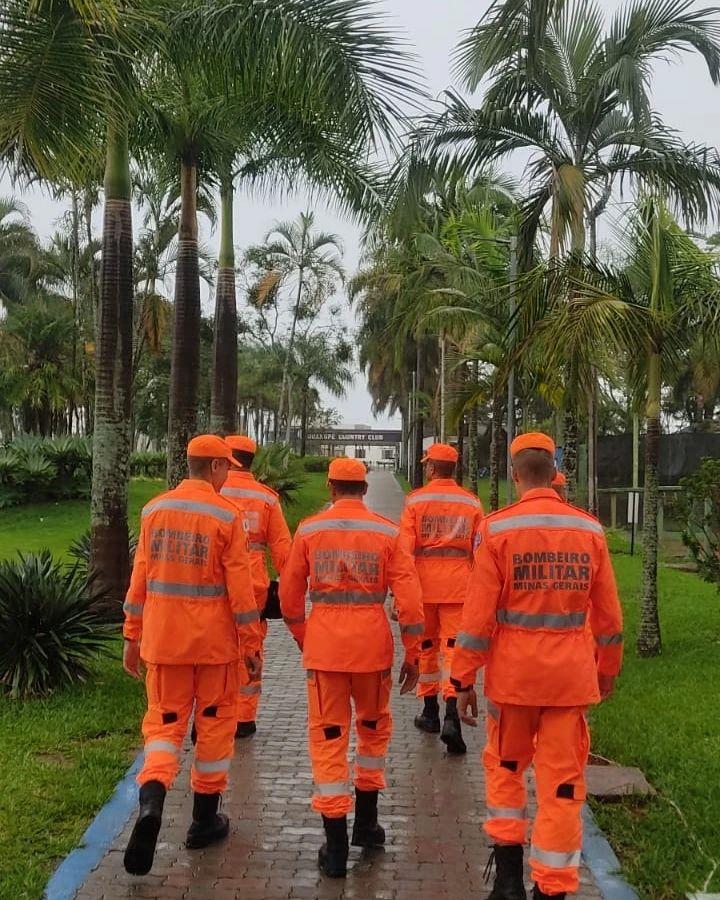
column 253, row 664
column 606, row 684
column 409, row 674
column 467, row 700
column 131, row 659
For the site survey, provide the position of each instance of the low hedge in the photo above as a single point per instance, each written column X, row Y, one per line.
column 35, row 470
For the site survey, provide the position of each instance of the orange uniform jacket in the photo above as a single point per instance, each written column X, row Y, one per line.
column 191, row 598
column 266, row 526
column 542, row 607
column 348, row 557
column 440, row 523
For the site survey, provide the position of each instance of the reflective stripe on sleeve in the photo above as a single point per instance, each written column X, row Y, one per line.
column 248, row 494
column 217, row 765
column 293, row 620
column 607, row 640
column 257, row 546
column 178, row 589
column 349, row 525
column 133, row 609
column 444, row 498
column 554, row 859
column 553, row 621
column 415, row 628
column 192, row 506
column 429, row 677
column 446, row 552
column 493, row 711
column 506, row 812
column 244, row 618
column 332, row 788
column 471, row 642
column 249, row 690
column 544, row 520
column 370, row 762
column 162, row 747
column 343, row 598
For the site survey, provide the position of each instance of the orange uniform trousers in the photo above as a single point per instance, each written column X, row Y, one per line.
column 330, row 695
column 249, row 689
column 442, row 624
column 172, row 692
column 556, row 740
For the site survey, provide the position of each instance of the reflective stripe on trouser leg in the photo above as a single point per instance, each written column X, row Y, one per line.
column 450, row 616
column 215, row 709
column 170, row 692
column 373, row 721
column 429, row 656
column 563, row 745
column 249, row 692
column 328, row 732
column 506, row 757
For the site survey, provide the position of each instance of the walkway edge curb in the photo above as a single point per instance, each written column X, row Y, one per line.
column 602, row 861
column 99, row 837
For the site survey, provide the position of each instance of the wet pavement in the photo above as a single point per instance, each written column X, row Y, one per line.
column 433, row 809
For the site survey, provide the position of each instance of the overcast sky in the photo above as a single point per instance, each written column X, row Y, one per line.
column 683, row 95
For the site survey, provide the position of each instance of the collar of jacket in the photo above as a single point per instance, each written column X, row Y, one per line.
column 196, row 484
column 541, row 493
column 348, row 504
column 442, row 482
column 244, row 475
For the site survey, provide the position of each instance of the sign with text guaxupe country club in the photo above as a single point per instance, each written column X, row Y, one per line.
column 349, row 436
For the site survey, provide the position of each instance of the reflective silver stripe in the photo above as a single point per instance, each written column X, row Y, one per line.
column 206, row 509
column 245, row 617
column 555, row 621
column 346, row 597
column 332, row 789
column 444, row 498
column 250, row 689
column 506, row 812
column 370, row 762
column 415, row 628
column 349, row 525
column 293, row 620
column 544, row 520
column 451, row 552
column 217, row 765
column 493, row 711
column 177, row 589
column 429, row 678
column 257, row 545
column 470, row 642
column 162, row 747
column 133, row 609
column 607, row 640
column 248, row 494
column 554, row 859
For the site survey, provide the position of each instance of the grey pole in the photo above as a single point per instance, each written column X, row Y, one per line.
column 511, row 377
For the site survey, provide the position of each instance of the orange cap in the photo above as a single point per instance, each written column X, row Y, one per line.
column 533, row 440
column 346, row 469
column 440, row 453
column 241, row 442
column 210, row 446
column 559, row 480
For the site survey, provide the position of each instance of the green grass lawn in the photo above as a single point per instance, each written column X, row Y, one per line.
column 61, row 758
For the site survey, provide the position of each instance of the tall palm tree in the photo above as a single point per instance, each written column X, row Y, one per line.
column 19, row 251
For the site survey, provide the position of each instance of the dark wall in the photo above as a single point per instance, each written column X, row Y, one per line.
column 680, row 455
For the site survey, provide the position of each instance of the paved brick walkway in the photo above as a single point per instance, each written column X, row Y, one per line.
column 433, row 810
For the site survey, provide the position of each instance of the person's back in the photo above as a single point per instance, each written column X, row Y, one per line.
column 345, row 559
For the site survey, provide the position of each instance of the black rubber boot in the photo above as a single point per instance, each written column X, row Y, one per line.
column 245, row 729
column 333, row 855
column 367, row 832
column 140, row 851
column 539, row 895
column 509, row 882
column 208, row 825
column 429, row 718
column 451, row 734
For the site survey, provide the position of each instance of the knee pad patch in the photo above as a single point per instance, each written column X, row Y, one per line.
column 369, row 723
column 169, row 717
column 332, row 732
column 427, row 644
column 509, row 764
column 566, row 792
column 210, row 712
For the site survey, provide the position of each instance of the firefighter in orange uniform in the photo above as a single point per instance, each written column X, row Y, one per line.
column 348, row 557
column 190, row 613
column 267, row 530
column 542, row 614
column 559, row 485
column 440, row 522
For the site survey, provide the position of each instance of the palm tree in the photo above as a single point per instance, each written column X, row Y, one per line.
column 19, row 251
column 575, row 95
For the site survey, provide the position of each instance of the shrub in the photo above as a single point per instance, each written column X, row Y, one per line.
column 276, row 467
column 315, row 463
column 34, row 470
column 701, row 509
column 79, row 552
column 49, row 632
column 148, row 464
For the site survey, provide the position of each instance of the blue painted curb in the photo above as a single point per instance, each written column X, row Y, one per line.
column 602, row 862
column 73, row 871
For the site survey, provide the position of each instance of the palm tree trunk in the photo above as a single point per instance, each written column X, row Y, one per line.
column 223, row 405
column 460, row 473
column 109, row 548
column 473, row 449
column 417, row 478
column 592, row 447
column 570, row 454
column 649, row 641
column 495, row 450
column 285, row 386
column 185, row 360
column 304, row 420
